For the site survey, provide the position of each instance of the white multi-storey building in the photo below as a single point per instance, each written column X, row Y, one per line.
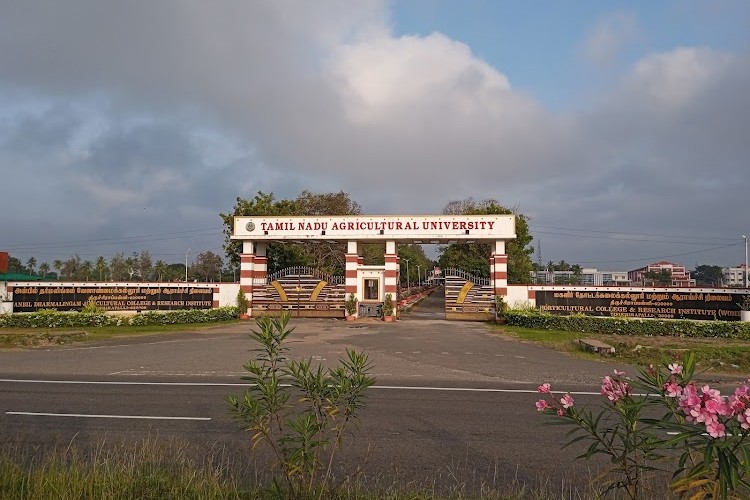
column 733, row 276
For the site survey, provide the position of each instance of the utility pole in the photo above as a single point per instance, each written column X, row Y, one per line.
column 745, row 238
column 407, row 274
column 186, row 264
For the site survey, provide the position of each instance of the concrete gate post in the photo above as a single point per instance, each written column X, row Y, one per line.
column 253, row 269
column 390, row 282
column 499, row 269
column 353, row 261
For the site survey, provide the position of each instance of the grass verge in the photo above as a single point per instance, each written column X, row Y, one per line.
column 171, row 469
column 717, row 356
column 30, row 337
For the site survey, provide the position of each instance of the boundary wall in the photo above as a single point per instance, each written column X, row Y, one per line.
column 636, row 302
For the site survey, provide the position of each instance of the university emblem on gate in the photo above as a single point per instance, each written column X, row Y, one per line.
column 250, row 226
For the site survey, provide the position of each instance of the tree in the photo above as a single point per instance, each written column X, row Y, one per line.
column 663, row 277
column 161, row 270
column 207, row 267
column 101, row 267
column 118, row 267
column 57, row 264
column 708, row 275
column 44, row 269
column 72, row 268
column 16, row 266
column 476, row 256
column 327, row 257
column 86, row 269
column 418, row 261
column 144, row 265
column 31, row 265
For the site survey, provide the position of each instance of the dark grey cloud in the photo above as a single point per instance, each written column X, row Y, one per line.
column 141, row 118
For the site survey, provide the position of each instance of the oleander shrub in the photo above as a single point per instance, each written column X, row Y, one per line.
column 629, row 326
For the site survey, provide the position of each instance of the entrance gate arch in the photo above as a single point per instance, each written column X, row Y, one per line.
column 371, row 285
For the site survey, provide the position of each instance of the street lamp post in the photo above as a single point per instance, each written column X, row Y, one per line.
column 407, row 274
column 745, row 238
column 419, row 275
column 186, row 264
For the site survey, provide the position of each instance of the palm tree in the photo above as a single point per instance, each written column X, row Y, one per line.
column 101, row 267
column 44, row 269
column 161, row 269
column 58, row 264
column 31, row 265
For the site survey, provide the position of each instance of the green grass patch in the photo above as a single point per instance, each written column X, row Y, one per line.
column 172, row 469
column 28, row 337
column 720, row 356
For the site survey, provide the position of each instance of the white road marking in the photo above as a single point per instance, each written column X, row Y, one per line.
column 85, row 415
column 236, row 384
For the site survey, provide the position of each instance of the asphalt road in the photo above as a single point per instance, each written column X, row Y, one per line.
column 454, row 401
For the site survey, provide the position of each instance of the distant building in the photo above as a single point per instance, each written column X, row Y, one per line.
column 680, row 275
column 733, row 276
column 616, row 278
column 588, row 277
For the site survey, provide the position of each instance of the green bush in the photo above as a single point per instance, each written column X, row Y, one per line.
column 629, row 326
column 54, row 319
column 185, row 316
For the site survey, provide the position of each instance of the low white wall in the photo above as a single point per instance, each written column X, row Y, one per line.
column 518, row 296
column 228, row 294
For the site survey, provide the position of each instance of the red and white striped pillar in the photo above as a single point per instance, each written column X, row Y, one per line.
column 253, row 269
column 353, row 261
column 499, row 269
column 390, row 282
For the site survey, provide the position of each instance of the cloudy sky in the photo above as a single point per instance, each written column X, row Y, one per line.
column 622, row 129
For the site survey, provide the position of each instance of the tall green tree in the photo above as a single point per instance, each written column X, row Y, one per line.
column 207, row 267
column 118, row 267
column 707, row 275
column 417, row 266
column 328, row 257
column 473, row 257
column 101, row 268
column 31, row 265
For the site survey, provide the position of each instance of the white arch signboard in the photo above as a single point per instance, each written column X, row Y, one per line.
column 256, row 232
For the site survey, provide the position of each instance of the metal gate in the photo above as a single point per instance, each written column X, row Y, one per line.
column 302, row 291
column 468, row 297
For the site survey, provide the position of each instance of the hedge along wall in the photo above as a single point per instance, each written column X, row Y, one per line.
column 53, row 319
column 629, row 326
column 722, row 304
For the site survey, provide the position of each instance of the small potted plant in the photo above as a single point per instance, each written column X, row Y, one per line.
column 351, row 307
column 388, row 308
column 242, row 304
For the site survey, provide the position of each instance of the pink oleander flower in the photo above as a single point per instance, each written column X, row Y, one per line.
column 614, row 390
column 675, row 368
column 618, row 373
column 744, row 419
column 560, row 412
column 715, row 429
column 566, row 401
column 542, row 405
column 673, row 389
column 544, row 388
